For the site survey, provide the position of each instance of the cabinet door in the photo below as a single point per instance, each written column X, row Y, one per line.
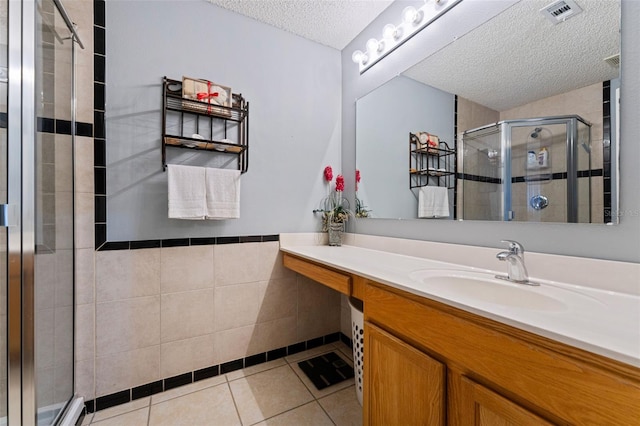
column 403, row 386
column 483, row 407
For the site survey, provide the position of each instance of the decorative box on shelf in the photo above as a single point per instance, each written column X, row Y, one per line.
column 208, row 96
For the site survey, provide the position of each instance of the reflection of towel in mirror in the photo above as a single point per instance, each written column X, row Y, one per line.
column 223, row 193
column 186, row 192
column 433, row 202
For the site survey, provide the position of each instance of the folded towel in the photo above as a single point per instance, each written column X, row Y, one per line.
column 186, row 192
column 433, row 202
column 223, row 193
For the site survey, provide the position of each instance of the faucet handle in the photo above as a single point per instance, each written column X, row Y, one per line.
column 515, row 247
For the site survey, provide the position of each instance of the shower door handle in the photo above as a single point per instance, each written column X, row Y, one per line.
column 8, row 215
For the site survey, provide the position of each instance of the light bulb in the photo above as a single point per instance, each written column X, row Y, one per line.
column 357, row 56
column 373, row 45
column 411, row 16
column 390, row 32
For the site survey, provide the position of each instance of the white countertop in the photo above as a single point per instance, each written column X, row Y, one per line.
column 599, row 321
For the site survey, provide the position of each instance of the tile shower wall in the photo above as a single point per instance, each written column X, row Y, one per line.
column 165, row 311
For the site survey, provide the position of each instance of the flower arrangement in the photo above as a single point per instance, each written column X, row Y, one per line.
column 334, row 208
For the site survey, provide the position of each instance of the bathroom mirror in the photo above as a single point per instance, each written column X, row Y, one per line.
column 516, row 120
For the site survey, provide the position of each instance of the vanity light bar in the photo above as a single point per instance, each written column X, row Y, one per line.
column 393, row 36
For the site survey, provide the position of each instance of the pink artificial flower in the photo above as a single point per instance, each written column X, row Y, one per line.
column 328, row 173
column 339, row 183
column 357, row 178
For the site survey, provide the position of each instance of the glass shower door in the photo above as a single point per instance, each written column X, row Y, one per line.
column 36, row 213
column 53, row 260
column 539, row 170
column 3, row 200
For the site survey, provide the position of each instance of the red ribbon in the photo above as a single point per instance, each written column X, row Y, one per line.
column 207, row 96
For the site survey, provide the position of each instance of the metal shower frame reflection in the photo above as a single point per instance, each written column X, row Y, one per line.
column 504, row 127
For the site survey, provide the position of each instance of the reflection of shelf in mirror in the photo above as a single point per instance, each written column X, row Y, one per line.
column 433, row 151
column 430, row 172
column 199, row 144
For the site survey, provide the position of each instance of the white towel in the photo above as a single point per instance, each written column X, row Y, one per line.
column 223, row 193
column 186, row 192
column 433, row 202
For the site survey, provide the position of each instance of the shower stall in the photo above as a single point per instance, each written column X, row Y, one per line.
column 536, row 169
column 38, row 44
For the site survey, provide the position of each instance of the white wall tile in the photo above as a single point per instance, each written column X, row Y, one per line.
column 85, row 276
column 85, row 332
column 121, row 274
column 186, row 268
column 318, row 309
column 187, row 314
column 237, row 263
column 182, row 356
column 127, row 324
column 125, row 370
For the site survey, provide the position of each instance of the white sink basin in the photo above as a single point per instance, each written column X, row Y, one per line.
column 485, row 288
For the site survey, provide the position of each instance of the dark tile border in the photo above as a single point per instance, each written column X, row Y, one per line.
column 606, row 149
column 174, row 242
column 128, row 395
column 455, row 158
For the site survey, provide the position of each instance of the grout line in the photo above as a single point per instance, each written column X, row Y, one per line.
column 234, row 402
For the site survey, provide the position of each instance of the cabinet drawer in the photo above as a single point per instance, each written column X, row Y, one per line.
column 330, row 278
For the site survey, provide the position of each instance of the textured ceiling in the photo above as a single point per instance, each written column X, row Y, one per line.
column 519, row 56
column 333, row 23
column 515, row 58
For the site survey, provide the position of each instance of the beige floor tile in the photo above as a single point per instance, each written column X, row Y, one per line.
column 211, row 406
column 346, row 350
column 343, row 407
column 187, row 389
column 134, row 418
column 267, row 394
column 291, row 359
column 309, row 414
column 238, row 374
column 121, row 409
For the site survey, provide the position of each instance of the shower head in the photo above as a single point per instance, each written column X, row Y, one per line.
column 535, row 132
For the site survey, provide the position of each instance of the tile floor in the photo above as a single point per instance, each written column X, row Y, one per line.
column 271, row 394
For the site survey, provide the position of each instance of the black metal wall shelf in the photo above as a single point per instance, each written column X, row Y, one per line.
column 431, row 165
column 182, row 118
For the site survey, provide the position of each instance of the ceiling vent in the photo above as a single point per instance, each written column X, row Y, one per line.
column 613, row 60
column 561, row 10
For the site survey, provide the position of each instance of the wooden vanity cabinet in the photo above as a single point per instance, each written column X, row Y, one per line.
column 428, row 363
column 495, row 374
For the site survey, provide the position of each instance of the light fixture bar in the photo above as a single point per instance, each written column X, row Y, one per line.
column 393, row 36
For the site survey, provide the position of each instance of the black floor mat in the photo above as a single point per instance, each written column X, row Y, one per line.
column 326, row 370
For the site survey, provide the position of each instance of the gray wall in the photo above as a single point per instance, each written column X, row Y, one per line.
column 384, row 119
column 294, row 89
column 618, row 242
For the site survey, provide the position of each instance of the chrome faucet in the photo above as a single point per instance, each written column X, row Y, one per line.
column 517, row 272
